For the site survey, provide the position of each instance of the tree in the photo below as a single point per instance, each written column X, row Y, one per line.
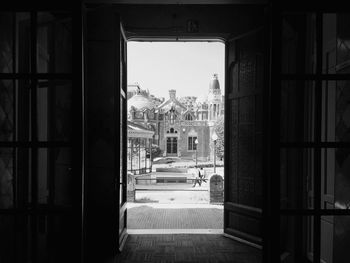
column 155, row 149
column 219, row 129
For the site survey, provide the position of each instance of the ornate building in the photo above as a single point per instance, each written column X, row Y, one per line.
column 182, row 126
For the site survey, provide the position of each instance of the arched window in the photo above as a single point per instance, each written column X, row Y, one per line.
column 138, row 115
column 171, row 130
column 188, row 117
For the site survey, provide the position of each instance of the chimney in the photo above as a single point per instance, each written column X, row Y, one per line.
column 172, row 94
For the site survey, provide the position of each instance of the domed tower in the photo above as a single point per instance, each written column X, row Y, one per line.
column 140, row 108
column 214, row 98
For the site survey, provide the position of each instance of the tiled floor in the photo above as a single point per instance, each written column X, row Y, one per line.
column 186, row 248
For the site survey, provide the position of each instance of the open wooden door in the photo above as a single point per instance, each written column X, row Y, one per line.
column 106, row 145
column 123, row 138
column 244, row 133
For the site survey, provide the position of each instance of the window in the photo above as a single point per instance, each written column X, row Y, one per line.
column 192, row 146
column 138, row 115
column 188, row 117
column 172, row 118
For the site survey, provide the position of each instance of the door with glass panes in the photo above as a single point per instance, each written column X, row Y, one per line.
column 40, row 135
column 171, row 145
column 314, row 138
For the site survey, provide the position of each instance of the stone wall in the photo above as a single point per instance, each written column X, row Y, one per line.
column 216, row 189
column 130, row 188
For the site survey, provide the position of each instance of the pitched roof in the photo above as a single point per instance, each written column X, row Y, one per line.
column 138, row 131
column 166, row 105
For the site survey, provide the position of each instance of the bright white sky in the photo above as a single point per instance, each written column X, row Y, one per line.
column 185, row 66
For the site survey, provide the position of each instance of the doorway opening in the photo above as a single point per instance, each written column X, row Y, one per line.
column 175, row 104
column 112, row 30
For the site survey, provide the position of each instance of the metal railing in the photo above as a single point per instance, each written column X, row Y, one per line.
column 163, row 179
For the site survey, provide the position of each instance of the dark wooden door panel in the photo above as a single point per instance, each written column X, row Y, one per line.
column 243, row 175
column 106, row 144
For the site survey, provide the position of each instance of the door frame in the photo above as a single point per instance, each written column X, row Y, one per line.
column 267, row 80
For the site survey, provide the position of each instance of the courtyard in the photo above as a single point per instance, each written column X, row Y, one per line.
column 175, row 207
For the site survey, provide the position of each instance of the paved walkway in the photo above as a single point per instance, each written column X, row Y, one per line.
column 173, row 187
column 177, row 216
column 172, row 193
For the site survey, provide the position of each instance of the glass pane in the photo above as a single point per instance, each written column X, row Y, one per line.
column 7, row 102
column 22, row 117
column 335, row 239
column 297, row 111
column 335, row 178
column 329, row 52
column 23, row 42
column 54, row 102
column 336, row 43
column 298, row 44
column 15, row 177
column 7, row 238
column 54, row 42
column 296, row 239
column 336, row 111
column 343, row 43
column 6, row 42
column 55, row 178
column 7, row 177
column 296, row 178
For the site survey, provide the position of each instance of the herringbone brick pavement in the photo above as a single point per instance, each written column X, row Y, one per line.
column 168, row 217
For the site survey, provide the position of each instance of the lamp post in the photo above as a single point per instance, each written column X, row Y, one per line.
column 196, row 142
column 214, row 138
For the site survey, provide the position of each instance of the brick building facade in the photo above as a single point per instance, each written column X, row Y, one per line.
column 182, row 126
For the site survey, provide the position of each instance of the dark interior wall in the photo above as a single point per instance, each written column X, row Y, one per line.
column 214, row 21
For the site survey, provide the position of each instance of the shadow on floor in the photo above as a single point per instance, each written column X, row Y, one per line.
column 187, row 248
